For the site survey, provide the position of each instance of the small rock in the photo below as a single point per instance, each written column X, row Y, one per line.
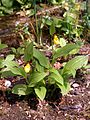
column 7, row 83
column 75, row 85
column 29, row 116
column 89, row 102
column 0, row 108
column 27, row 112
column 82, row 119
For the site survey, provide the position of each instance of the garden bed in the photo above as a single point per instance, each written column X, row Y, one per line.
column 44, row 60
column 73, row 106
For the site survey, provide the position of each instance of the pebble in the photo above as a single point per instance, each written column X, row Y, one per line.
column 27, row 112
column 82, row 119
column 29, row 116
column 89, row 102
column 7, row 83
column 43, row 117
column 89, row 92
column 75, row 85
column 0, row 108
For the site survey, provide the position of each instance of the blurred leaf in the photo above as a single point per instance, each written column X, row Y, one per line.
column 21, row 89
column 36, row 77
column 39, row 67
column 54, row 74
column 65, row 50
column 21, row 1
column 10, row 57
column 2, row 46
column 87, row 66
column 74, row 64
column 48, row 22
column 20, row 51
column 41, row 58
column 52, row 29
column 1, row 63
column 7, row 3
column 74, row 51
column 17, row 71
column 40, row 92
column 8, row 62
column 6, row 74
column 57, row 22
column 13, row 50
column 65, row 88
column 6, row 10
column 28, row 52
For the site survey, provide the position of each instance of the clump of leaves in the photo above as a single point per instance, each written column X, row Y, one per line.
column 41, row 71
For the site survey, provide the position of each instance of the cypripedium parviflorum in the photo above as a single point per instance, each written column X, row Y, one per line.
column 27, row 68
column 56, row 40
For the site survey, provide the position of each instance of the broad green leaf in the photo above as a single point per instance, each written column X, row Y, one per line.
column 7, row 3
column 10, row 57
column 6, row 10
column 28, row 52
column 2, row 46
column 17, row 71
column 41, row 58
column 57, row 22
column 65, row 50
column 21, row 89
column 36, row 77
column 6, row 74
column 74, row 51
column 65, row 88
column 40, row 92
column 20, row 51
column 48, row 22
column 22, row 71
column 9, row 64
column 39, row 67
column 14, row 50
column 87, row 66
column 74, row 64
column 51, row 81
column 56, row 76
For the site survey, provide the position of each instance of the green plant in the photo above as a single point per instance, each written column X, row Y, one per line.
column 2, row 46
column 41, row 72
column 17, row 52
column 69, row 25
